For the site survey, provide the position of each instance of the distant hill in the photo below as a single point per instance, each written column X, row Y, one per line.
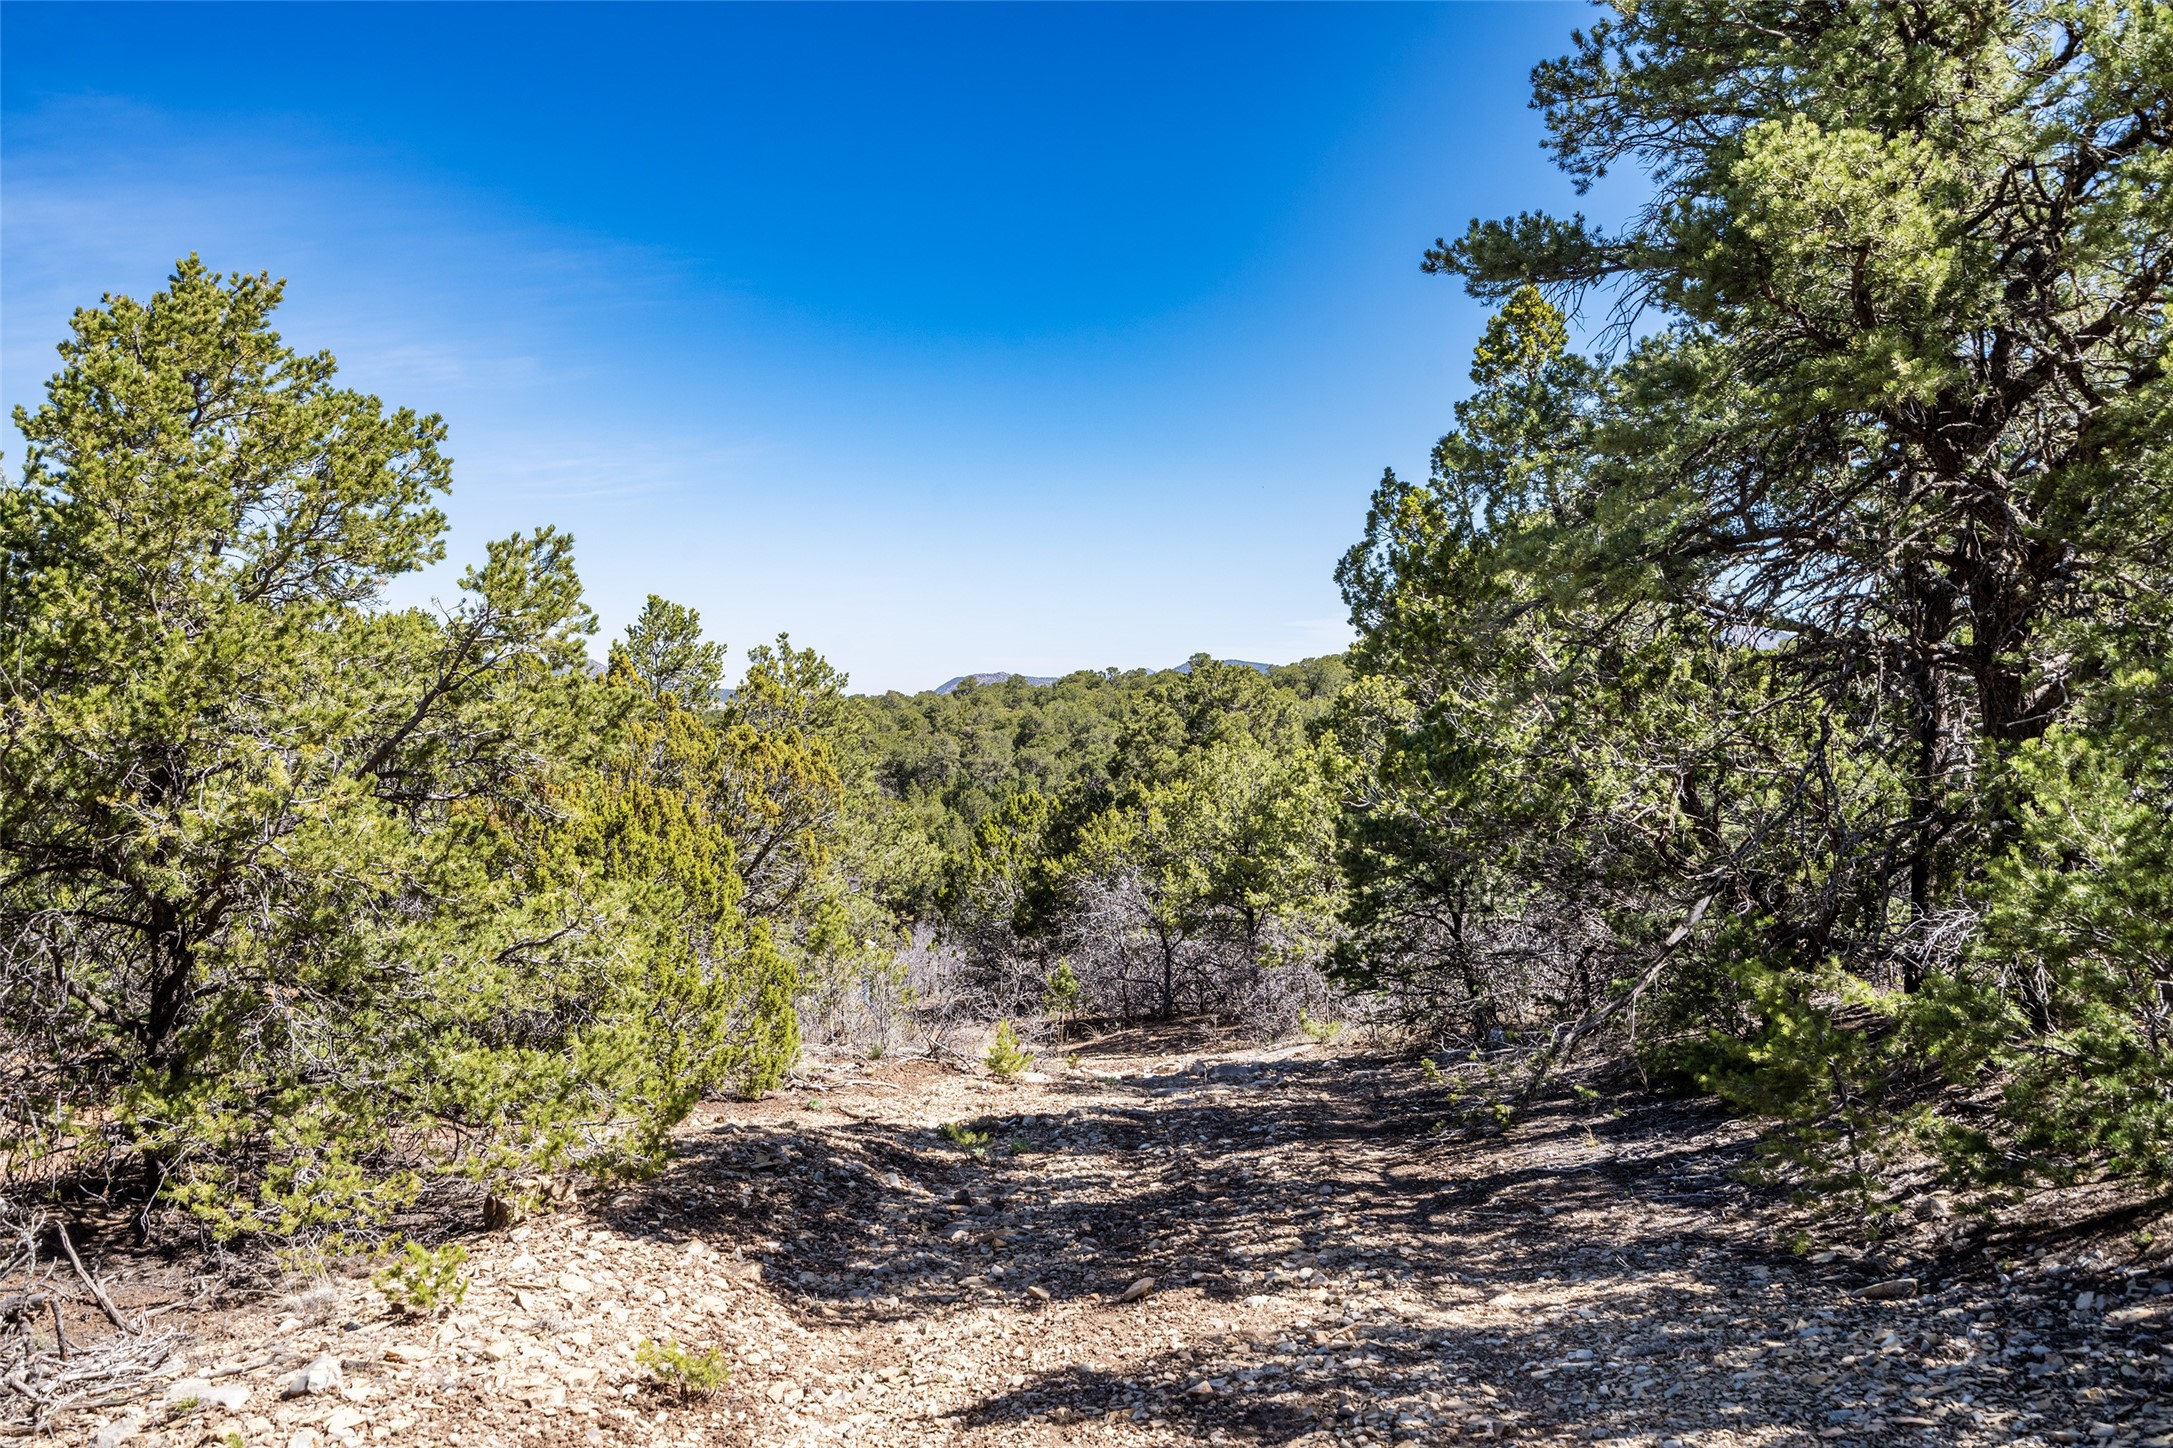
column 950, row 686
column 1186, row 668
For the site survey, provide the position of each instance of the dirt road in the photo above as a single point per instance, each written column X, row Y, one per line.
column 1178, row 1243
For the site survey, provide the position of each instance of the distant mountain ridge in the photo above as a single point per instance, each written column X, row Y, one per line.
column 950, row 686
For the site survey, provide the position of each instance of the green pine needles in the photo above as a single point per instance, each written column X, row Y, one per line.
column 1006, row 1058
column 309, row 901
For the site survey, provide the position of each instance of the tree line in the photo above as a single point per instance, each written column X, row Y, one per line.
column 1767, row 680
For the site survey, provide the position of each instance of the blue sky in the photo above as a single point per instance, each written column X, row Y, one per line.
column 946, row 338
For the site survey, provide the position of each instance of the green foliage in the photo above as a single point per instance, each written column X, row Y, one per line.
column 307, row 900
column 1819, row 1074
column 957, row 1133
column 1781, row 685
column 1061, row 993
column 425, row 1279
column 692, row 1372
column 1005, row 1059
column 1322, row 1032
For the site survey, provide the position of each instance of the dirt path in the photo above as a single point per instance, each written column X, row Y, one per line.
column 1325, row 1266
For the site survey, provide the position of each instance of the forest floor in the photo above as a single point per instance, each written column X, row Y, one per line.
column 1185, row 1240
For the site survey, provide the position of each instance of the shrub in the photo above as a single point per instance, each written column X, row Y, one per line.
column 1061, row 994
column 425, row 1279
column 1005, row 1058
column 693, row 1372
column 959, row 1134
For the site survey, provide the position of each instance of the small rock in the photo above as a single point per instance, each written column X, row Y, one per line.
column 574, row 1284
column 1895, row 1289
column 1137, row 1290
column 206, row 1393
column 500, row 1350
column 1202, row 1389
column 303, row 1438
column 321, row 1376
column 1038, row 1292
column 401, row 1352
column 119, row 1431
column 343, row 1422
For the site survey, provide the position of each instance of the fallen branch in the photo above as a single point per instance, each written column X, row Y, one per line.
column 105, row 1303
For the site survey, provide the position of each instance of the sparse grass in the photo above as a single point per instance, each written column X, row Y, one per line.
column 694, row 1372
column 314, row 1304
column 1072, row 1060
column 1322, row 1032
column 424, row 1279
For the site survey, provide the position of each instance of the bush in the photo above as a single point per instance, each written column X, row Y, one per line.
column 1061, row 994
column 693, row 1372
column 959, row 1134
column 423, row 1279
column 315, row 901
column 1005, row 1057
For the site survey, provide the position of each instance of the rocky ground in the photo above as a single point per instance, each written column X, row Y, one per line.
column 1181, row 1241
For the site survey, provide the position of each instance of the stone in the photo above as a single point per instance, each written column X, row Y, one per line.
column 401, row 1352
column 1230, row 1072
column 1038, row 1292
column 207, row 1393
column 321, row 1376
column 343, row 1422
column 1896, row 1289
column 304, row 1438
column 574, row 1284
column 1137, row 1290
column 118, row 1431
column 500, row 1350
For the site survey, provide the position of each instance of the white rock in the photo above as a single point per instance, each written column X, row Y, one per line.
column 321, row 1376
column 117, row 1432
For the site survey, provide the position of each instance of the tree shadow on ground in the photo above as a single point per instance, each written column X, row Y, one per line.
column 1598, row 1272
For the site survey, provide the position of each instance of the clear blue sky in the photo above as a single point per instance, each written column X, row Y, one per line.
column 947, row 338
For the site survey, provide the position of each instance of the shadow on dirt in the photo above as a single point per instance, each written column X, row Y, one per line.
column 1610, row 1238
